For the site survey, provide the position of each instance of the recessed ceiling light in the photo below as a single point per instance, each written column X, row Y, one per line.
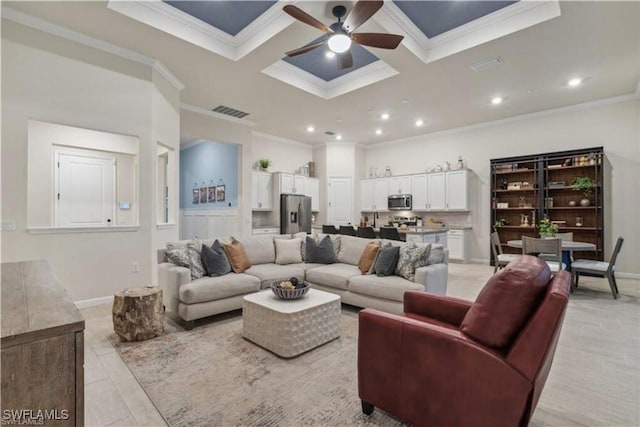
column 330, row 54
column 419, row 122
column 339, row 137
column 310, row 129
column 384, row 116
column 405, row 101
column 496, row 100
column 378, row 131
column 575, row 82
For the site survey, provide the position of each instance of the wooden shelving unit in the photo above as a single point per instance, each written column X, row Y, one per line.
column 539, row 199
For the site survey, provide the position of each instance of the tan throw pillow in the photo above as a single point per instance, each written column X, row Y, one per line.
column 237, row 256
column 288, row 251
column 368, row 257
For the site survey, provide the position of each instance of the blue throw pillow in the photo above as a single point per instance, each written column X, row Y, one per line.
column 387, row 260
column 320, row 253
column 215, row 260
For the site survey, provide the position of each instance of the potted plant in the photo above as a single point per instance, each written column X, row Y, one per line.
column 499, row 223
column 547, row 228
column 585, row 185
column 264, row 164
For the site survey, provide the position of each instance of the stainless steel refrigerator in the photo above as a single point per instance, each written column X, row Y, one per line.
column 295, row 214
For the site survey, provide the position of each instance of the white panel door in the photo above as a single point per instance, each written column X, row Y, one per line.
column 340, row 201
column 85, row 191
column 419, row 192
column 436, row 192
column 367, row 190
column 457, row 195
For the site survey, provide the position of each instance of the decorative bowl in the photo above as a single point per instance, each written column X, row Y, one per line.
column 289, row 293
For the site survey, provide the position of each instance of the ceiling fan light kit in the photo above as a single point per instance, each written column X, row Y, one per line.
column 340, row 34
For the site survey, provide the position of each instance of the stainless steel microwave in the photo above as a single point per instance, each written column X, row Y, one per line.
column 399, row 202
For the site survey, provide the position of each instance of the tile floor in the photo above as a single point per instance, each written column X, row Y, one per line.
column 600, row 346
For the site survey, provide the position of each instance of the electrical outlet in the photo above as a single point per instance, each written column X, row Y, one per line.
column 9, row 225
column 135, row 267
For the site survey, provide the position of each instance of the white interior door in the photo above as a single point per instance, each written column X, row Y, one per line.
column 85, row 193
column 340, row 194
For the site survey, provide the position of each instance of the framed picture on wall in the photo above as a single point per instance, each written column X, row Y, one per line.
column 220, row 193
column 203, row 195
column 196, row 196
column 211, row 194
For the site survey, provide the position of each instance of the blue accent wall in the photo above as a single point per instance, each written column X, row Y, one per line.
column 206, row 162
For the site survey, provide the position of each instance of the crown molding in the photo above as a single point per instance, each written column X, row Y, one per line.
column 171, row 20
column 213, row 114
column 74, row 36
column 453, row 131
column 502, row 22
column 281, row 140
column 364, row 76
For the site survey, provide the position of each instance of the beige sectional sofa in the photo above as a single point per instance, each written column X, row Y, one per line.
column 194, row 299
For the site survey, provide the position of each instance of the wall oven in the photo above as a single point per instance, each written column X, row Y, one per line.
column 399, row 202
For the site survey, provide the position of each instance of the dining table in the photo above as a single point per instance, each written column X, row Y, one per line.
column 568, row 246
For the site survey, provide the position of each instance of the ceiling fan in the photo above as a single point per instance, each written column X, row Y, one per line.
column 340, row 34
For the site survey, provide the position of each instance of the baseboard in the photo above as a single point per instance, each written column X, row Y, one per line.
column 94, row 301
column 480, row 261
column 627, row 275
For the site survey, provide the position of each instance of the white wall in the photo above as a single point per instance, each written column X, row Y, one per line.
column 53, row 80
column 615, row 126
column 285, row 155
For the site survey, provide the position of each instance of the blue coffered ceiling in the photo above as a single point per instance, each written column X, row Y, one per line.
column 228, row 16
column 437, row 17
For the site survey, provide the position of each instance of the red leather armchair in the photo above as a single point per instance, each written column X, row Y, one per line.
column 450, row 362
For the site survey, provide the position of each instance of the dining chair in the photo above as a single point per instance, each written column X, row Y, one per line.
column 390, row 233
column 330, row 229
column 567, row 256
column 548, row 249
column 347, row 230
column 366, row 232
column 500, row 259
column 598, row 268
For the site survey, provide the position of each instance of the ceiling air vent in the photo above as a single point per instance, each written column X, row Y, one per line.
column 485, row 65
column 227, row 111
column 329, row 133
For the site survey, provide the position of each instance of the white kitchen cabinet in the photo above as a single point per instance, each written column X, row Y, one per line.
column 265, row 231
column 261, row 191
column 458, row 244
column 312, row 189
column 419, row 192
column 300, row 184
column 287, row 183
column 374, row 194
column 436, row 192
column 400, row 185
column 456, row 190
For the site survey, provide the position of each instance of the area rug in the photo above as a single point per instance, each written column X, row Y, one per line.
column 212, row 376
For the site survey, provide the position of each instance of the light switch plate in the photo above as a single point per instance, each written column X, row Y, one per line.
column 9, row 225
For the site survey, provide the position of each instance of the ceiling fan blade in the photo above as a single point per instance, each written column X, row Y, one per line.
column 305, row 49
column 381, row 40
column 303, row 16
column 345, row 60
column 362, row 11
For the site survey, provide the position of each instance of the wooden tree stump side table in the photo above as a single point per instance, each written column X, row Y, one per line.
column 138, row 313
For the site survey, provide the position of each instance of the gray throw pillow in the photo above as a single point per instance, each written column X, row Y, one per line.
column 215, row 260
column 320, row 253
column 387, row 260
column 437, row 255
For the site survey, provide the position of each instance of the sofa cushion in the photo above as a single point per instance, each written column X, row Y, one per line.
column 333, row 275
column 288, row 251
column 214, row 288
column 268, row 273
column 351, row 249
column 214, row 260
column 303, row 247
column 307, row 265
column 412, row 256
column 368, row 257
column 237, row 256
column 320, row 253
column 259, row 249
column 507, row 301
column 436, row 256
column 387, row 260
column 388, row 287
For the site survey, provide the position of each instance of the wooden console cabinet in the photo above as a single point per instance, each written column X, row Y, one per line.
column 42, row 348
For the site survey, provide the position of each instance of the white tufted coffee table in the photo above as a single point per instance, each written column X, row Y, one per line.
column 291, row 327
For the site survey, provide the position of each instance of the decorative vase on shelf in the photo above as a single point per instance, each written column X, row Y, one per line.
column 585, row 202
column 572, row 203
